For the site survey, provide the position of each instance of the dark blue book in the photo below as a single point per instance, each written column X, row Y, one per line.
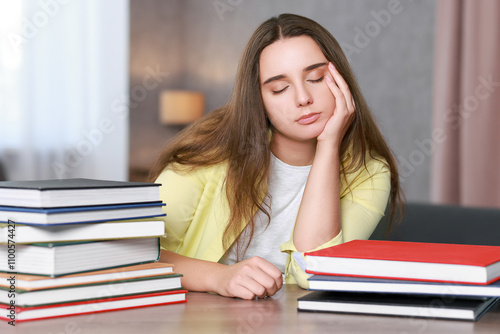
column 80, row 214
column 380, row 285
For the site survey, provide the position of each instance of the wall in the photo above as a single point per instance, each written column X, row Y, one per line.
column 155, row 64
column 199, row 43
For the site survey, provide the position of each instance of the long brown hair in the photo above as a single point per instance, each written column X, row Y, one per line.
column 238, row 132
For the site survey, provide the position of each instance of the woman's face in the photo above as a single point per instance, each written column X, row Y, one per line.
column 297, row 99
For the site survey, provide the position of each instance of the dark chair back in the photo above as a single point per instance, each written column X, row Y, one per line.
column 444, row 224
column 2, row 174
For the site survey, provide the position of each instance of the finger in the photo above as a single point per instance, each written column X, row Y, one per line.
column 342, row 84
column 346, row 97
column 340, row 101
column 266, row 282
column 249, row 288
column 273, row 272
column 267, row 278
column 244, row 292
column 339, row 80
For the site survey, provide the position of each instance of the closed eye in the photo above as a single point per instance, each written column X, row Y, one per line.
column 317, row 80
column 313, row 81
column 279, row 91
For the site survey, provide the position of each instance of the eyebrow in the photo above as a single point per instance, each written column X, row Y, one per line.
column 307, row 69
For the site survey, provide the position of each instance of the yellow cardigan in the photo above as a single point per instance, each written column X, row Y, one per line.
column 198, row 211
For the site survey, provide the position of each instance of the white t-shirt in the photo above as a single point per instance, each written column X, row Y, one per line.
column 286, row 187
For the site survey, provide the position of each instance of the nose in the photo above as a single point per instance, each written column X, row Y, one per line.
column 303, row 96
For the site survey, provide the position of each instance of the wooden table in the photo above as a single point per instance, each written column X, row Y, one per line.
column 208, row 313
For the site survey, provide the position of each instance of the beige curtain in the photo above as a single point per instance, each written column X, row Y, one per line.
column 466, row 124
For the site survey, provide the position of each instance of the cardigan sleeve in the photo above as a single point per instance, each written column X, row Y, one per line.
column 362, row 205
column 181, row 191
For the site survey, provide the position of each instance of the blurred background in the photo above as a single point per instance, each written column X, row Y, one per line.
column 92, row 88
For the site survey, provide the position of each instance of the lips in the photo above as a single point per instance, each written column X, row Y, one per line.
column 308, row 118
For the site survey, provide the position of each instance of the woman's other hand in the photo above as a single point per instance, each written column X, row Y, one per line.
column 250, row 278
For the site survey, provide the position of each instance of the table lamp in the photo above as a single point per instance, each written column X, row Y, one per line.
column 178, row 107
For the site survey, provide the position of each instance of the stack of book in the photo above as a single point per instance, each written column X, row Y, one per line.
column 413, row 279
column 78, row 246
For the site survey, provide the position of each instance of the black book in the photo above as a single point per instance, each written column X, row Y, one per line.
column 459, row 308
column 75, row 192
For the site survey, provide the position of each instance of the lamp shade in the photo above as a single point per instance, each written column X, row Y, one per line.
column 181, row 106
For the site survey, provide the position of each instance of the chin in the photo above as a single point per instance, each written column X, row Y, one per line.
column 310, row 135
column 314, row 130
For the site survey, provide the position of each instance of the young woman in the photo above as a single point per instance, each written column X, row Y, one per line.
column 293, row 162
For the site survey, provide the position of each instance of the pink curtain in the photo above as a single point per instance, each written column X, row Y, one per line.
column 466, row 121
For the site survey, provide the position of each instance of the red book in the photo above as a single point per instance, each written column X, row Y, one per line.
column 21, row 314
column 423, row 261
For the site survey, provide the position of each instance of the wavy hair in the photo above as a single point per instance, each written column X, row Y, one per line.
column 238, row 132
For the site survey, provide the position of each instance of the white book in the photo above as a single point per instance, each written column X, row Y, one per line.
column 94, row 306
column 81, row 232
column 55, row 259
column 92, row 291
column 75, row 192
